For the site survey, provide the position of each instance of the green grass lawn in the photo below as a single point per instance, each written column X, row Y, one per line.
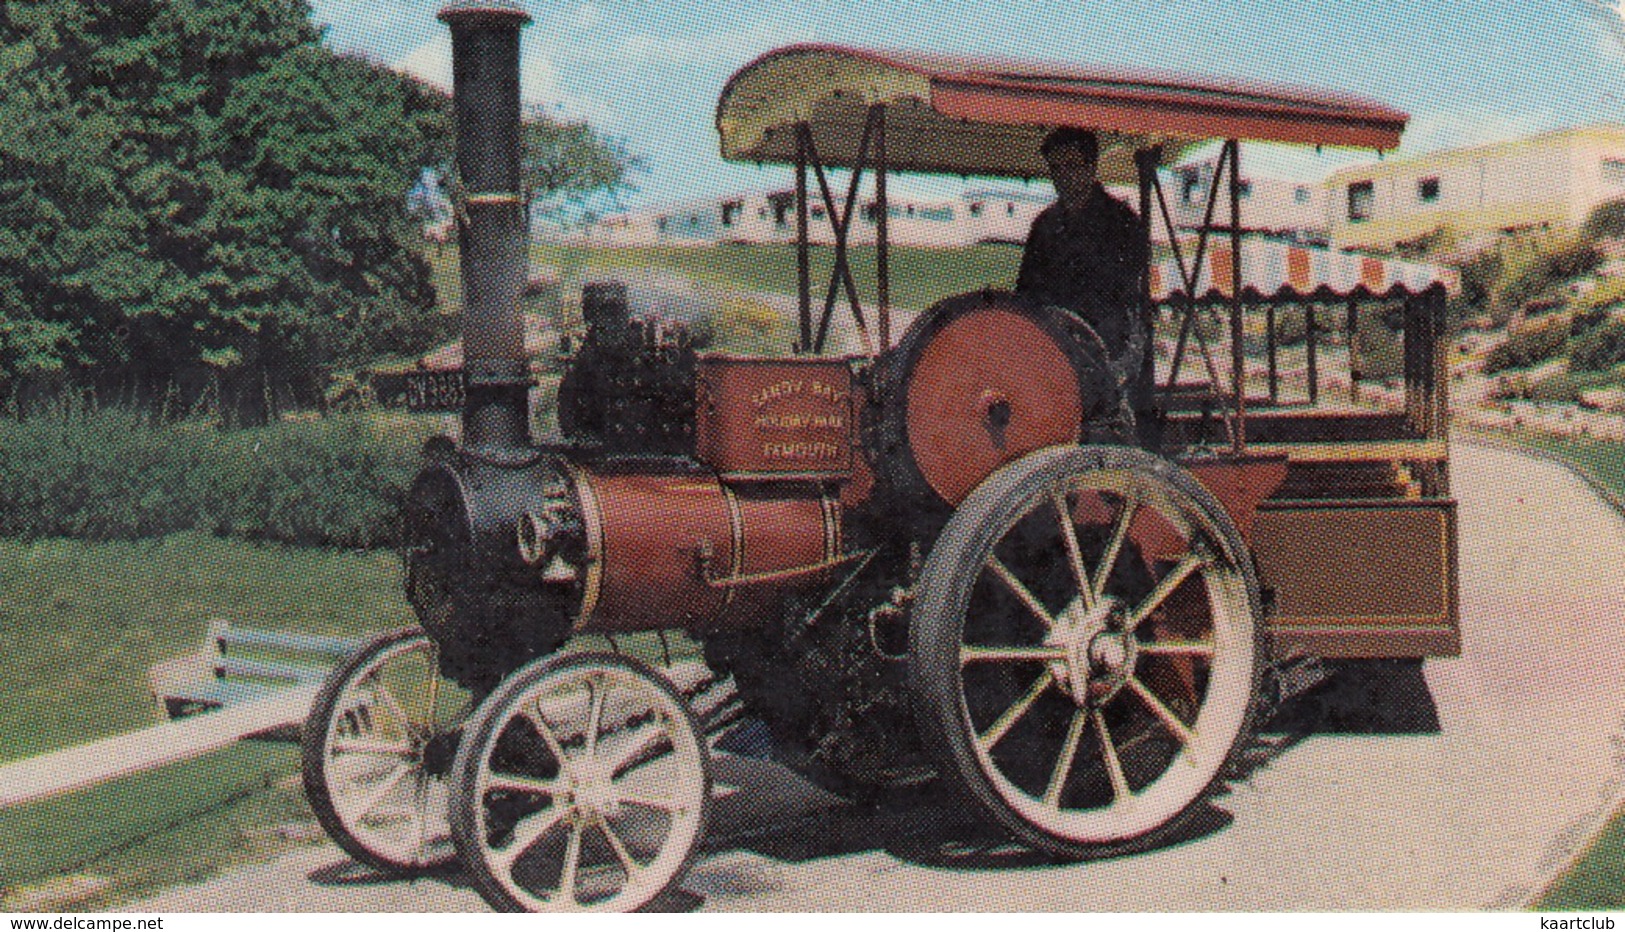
column 919, row 277
column 80, row 624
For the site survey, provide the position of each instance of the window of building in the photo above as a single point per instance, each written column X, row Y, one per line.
column 730, row 210
column 1427, row 190
column 976, row 209
column 1613, row 172
column 1009, row 209
column 1245, row 189
column 1362, row 198
column 1190, row 186
column 1300, row 194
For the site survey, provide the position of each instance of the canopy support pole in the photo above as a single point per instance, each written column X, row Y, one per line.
column 1238, row 307
column 1146, row 162
column 1311, row 346
column 841, row 224
column 1355, row 365
column 882, row 231
column 1272, row 350
column 803, row 259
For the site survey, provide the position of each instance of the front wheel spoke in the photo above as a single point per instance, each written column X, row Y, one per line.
column 1020, row 590
column 1178, row 648
column 401, row 749
column 1074, row 552
column 387, row 697
column 969, row 654
column 595, row 718
column 516, row 784
column 619, row 847
column 1114, row 765
column 381, row 793
column 1165, row 587
column 572, row 864
column 1063, row 764
column 1114, row 547
column 651, row 801
column 527, row 832
column 548, row 738
column 1005, row 722
column 1164, row 714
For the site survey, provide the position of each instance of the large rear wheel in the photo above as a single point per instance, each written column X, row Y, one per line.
column 1086, row 649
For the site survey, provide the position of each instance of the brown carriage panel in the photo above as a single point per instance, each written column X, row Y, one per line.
column 1358, row 567
column 1364, row 642
column 774, row 417
column 1240, row 484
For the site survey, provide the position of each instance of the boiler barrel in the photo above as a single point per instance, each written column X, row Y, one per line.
column 687, row 551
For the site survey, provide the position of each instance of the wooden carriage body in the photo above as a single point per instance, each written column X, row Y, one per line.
column 1343, row 500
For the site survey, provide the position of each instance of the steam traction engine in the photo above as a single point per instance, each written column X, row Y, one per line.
column 964, row 557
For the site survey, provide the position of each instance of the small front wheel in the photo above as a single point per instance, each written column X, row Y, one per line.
column 376, row 748
column 1086, row 649
column 583, row 784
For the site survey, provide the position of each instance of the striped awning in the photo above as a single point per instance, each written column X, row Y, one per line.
column 1272, row 270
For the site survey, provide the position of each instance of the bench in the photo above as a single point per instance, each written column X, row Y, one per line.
column 242, row 665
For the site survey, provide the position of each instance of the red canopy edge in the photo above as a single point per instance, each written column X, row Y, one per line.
column 983, row 115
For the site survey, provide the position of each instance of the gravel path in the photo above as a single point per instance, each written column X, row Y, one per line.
column 1474, row 814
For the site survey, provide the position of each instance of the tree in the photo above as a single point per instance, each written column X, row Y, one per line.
column 197, row 193
column 566, row 164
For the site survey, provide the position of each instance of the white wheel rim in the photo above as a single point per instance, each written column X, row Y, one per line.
column 1225, row 654
column 616, row 803
column 374, row 755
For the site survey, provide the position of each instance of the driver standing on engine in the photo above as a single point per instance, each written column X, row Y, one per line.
column 1085, row 251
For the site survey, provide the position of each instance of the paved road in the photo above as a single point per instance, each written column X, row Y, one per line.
column 1475, row 813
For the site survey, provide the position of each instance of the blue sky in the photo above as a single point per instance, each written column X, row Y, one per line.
column 649, row 71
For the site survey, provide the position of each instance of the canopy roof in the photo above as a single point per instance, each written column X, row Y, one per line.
column 1275, row 271
column 975, row 115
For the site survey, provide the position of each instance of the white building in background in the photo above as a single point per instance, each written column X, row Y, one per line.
column 1284, row 204
column 1552, row 179
column 985, row 215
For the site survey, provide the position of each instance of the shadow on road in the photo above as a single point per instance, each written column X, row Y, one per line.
column 777, row 815
column 1362, row 697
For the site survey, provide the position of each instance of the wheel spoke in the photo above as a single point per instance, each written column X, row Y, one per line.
column 1020, row 590
column 648, row 801
column 1005, row 722
column 517, row 784
column 1114, row 766
column 1114, row 547
column 372, row 746
column 1178, row 648
column 527, row 832
column 548, row 738
column 1074, row 552
column 1165, row 587
column 1166, row 715
column 572, row 864
column 380, row 691
column 595, row 719
column 971, row 654
column 619, row 847
column 1063, row 764
column 378, row 795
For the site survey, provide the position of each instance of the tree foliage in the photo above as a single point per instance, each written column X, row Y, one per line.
column 198, row 192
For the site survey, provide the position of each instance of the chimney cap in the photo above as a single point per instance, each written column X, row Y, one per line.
column 474, row 12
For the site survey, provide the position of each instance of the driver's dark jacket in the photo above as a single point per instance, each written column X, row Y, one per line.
column 1088, row 260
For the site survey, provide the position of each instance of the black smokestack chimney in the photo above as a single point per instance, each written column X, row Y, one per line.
column 492, row 238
